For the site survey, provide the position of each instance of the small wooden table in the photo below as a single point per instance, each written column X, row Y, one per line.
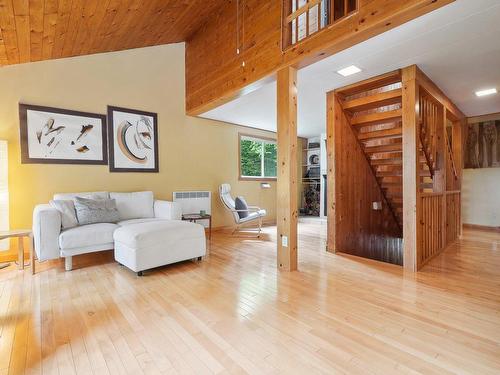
column 195, row 217
column 20, row 234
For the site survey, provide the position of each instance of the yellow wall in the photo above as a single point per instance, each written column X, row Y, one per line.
column 194, row 153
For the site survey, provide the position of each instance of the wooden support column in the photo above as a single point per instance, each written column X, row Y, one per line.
column 287, row 211
column 333, row 109
column 411, row 188
column 457, row 148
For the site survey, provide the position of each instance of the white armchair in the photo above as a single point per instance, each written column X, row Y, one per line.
column 255, row 214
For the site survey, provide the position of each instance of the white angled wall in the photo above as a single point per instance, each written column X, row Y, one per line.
column 4, row 192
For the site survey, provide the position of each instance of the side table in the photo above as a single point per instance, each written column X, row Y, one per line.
column 20, row 234
column 193, row 218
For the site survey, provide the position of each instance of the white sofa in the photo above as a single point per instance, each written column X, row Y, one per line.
column 150, row 232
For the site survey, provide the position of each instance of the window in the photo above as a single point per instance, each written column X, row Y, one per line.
column 258, row 158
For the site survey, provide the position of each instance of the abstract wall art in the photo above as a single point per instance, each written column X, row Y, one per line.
column 61, row 136
column 133, row 140
column 482, row 143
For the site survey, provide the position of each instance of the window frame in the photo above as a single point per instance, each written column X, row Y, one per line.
column 257, row 138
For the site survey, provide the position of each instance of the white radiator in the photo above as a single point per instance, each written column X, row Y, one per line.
column 192, row 202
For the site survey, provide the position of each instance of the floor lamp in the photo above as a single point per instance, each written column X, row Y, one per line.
column 4, row 195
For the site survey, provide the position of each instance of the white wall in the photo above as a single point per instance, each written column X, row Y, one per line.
column 481, row 196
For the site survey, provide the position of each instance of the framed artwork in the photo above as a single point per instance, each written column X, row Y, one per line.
column 482, row 143
column 61, row 136
column 133, row 140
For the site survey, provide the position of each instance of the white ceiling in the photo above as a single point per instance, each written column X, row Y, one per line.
column 457, row 46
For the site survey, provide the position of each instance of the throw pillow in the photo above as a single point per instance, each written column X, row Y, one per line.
column 67, row 210
column 137, row 205
column 241, row 204
column 91, row 211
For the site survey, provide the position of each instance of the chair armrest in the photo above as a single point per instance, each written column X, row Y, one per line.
column 250, row 209
column 46, row 230
column 167, row 210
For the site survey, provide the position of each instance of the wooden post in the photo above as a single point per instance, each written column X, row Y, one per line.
column 331, row 105
column 411, row 180
column 287, row 212
column 457, row 148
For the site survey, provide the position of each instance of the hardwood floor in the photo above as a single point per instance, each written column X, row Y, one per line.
column 234, row 313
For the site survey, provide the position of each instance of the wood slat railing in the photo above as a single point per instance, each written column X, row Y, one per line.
column 453, row 216
column 440, row 223
column 428, row 122
column 451, row 158
column 303, row 18
column 431, row 226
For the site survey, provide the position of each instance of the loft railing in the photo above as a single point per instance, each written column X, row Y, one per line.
column 303, row 18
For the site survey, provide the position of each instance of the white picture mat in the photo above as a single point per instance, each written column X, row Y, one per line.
column 120, row 159
column 65, row 150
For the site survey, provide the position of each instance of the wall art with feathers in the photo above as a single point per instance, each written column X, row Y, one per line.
column 62, row 136
column 133, row 140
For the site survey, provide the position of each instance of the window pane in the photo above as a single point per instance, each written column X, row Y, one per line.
column 250, row 158
column 270, row 159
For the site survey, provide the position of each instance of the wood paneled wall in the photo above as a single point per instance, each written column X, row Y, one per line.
column 215, row 73
column 358, row 229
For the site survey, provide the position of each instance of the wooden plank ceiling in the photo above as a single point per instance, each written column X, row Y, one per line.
column 33, row 30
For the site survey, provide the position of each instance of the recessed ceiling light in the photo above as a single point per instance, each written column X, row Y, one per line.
column 350, row 70
column 486, row 92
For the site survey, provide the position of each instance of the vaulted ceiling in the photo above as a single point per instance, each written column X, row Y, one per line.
column 33, row 30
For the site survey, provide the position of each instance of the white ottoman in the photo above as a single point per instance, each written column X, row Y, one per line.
column 156, row 243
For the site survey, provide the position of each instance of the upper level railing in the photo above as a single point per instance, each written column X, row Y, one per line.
column 303, row 18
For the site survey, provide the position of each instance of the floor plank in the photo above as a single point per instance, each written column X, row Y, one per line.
column 235, row 313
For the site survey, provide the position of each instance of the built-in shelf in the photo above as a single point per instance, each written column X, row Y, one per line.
column 311, row 165
column 311, row 149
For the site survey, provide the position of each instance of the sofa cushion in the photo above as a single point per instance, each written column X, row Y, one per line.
column 89, row 195
column 92, row 211
column 142, row 235
column 137, row 205
column 138, row 221
column 67, row 210
column 87, row 235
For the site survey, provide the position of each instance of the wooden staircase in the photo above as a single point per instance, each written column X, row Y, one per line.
column 374, row 108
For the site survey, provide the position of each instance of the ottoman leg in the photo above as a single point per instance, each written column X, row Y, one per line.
column 68, row 263
column 140, row 273
column 199, row 259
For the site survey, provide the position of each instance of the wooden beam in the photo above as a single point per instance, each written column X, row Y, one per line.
column 287, row 205
column 334, row 110
column 370, row 83
column 411, row 178
column 218, row 81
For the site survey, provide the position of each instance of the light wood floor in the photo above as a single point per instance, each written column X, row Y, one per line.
column 234, row 313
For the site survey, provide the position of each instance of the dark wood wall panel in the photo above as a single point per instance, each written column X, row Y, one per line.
column 359, row 230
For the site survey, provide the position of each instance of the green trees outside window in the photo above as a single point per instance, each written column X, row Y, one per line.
column 258, row 157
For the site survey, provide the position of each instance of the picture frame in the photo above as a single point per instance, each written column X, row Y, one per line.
column 482, row 142
column 50, row 135
column 132, row 140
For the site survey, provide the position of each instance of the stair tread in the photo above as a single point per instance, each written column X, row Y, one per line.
column 396, row 132
column 374, row 101
column 387, row 161
column 392, row 147
column 377, row 118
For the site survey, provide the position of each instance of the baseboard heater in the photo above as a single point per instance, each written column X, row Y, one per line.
column 193, row 202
